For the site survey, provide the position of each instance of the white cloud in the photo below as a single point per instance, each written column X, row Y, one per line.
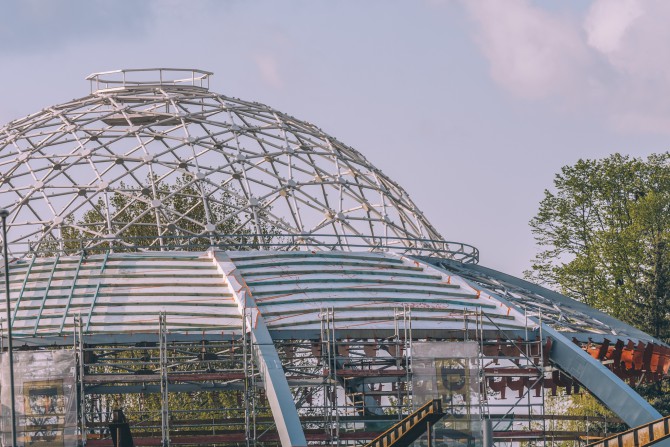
column 268, row 67
column 607, row 22
column 633, row 36
column 531, row 52
column 611, row 58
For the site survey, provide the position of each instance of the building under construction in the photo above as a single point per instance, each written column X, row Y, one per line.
column 189, row 269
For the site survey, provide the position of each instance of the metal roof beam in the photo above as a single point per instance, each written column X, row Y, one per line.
column 279, row 394
column 97, row 290
column 603, row 383
column 23, row 288
column 71, row 294
column 618, row 327
column 46, row 295
column 112, row 338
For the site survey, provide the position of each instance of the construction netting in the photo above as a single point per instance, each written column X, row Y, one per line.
column 45, row 398
column 449, row 371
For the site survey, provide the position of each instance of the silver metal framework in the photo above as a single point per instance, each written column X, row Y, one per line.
column 165, row 401
column 290, row 279
column 155, row 148
column 564, row 316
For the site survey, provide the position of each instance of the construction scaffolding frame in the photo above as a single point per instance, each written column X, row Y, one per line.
column 347, row 390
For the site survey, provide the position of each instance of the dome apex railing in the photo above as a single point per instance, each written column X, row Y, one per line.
column 457, row 251
column 147, row 77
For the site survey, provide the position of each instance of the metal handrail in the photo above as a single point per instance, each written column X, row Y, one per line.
column 458, row 251
column 120, row 79
column 398, row 430
column 641, row 436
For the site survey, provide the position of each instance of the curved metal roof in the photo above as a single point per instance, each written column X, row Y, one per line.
column 366, row 292
column 153, row 158
column 124, row 292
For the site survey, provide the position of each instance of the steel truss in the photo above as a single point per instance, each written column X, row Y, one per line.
column 194, row 164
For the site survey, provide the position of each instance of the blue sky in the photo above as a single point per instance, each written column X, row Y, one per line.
column 471, row 106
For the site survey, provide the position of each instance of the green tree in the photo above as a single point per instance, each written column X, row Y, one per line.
column 177, row 224
column 583, row 413
column 605, row 238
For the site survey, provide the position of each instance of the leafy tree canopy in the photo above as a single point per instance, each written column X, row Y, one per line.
column 604, row 231
column 177, row 224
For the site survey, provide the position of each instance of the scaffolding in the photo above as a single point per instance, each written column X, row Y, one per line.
column 192, row 390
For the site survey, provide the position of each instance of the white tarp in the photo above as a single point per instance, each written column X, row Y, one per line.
column 449, row 371
column 46, row 398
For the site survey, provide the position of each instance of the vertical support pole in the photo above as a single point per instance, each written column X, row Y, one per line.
column 429, row 434
column 79, row 349
column 335, row 381
column 330, row 348
column 245, row 367
column 10, row 350
column 326, row 363
column 165, row 416
column 408, row 358
column 487, row 440
column 396, row 314
column 252, row 389
column 484, row 414
column 249, row 384
column 466, row 336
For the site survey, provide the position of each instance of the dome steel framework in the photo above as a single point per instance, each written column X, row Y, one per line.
column 140, row 131
column 230, row 275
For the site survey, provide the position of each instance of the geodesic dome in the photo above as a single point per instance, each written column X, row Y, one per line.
column 172, row 241
column 156, row 148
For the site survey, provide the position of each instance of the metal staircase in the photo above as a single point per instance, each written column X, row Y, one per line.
column 642, row 436
column 403, row 433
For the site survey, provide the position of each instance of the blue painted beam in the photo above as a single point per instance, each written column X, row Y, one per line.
column 619, row 327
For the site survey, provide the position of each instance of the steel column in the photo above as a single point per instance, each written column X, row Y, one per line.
column 165, row 406
column 279, row 395
column 8, row 303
